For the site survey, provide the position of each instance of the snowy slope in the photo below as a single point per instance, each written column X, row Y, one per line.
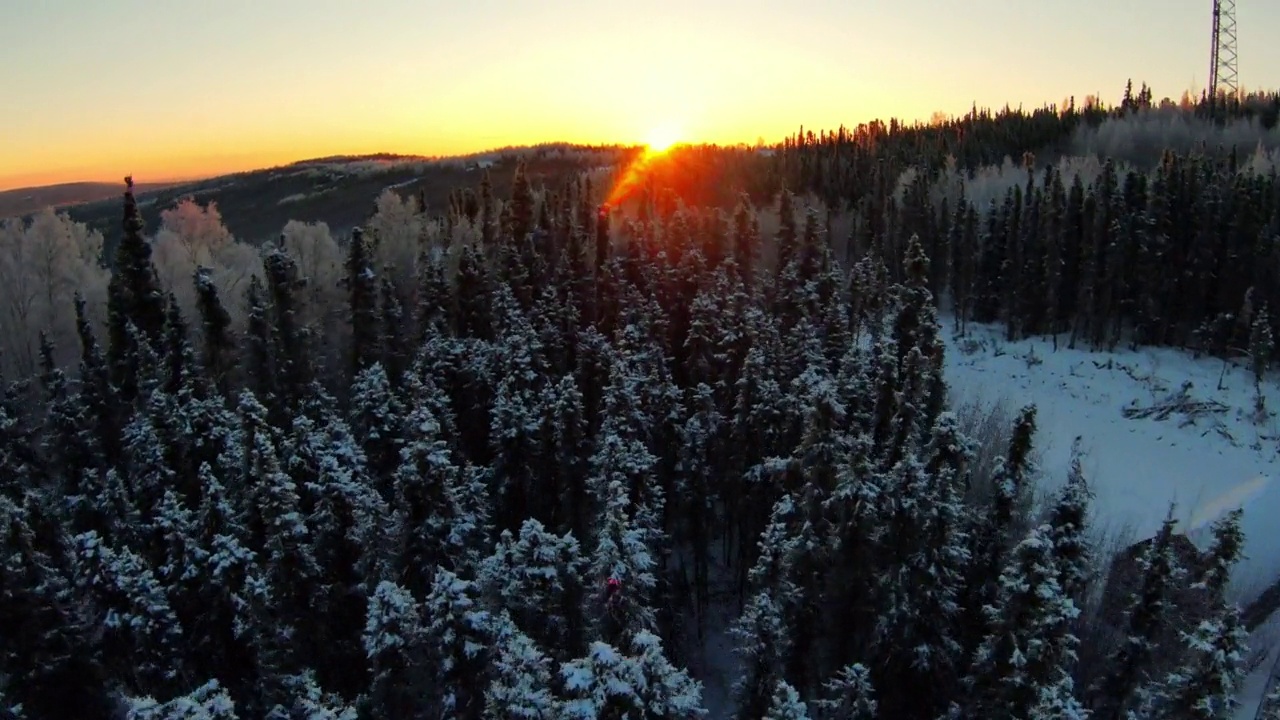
column 1137, row 467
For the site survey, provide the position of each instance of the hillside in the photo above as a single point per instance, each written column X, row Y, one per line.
column 339, row 191
column 23, row 201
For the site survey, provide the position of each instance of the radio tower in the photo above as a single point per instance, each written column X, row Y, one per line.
column 1223, row 62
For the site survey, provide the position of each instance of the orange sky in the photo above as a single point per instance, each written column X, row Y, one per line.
column 96, row 90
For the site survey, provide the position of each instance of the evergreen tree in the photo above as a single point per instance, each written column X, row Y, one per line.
column 786, row 704
column 435, row 310
column 52, row 659
column 1129, row 667
column 849, row 696
column 218, row 350
column 376, row 417
column 462, row 647
column 641, row 684
column 924, row 550
column 1204, row 688
column 180, row 365
column 1026, row 659
column 362, row 292
column 232, row 600
column 133, row 298
column 538, row 579
column 1067, row 520
column 259, row 360
column 766, row 630
column 278, row 532
column 1261, row 347
column 393, row 338
column 288, row 339
column 521, row 684
column 394, row 642
column 207, row 702
column 142, row 638
column 474, row 288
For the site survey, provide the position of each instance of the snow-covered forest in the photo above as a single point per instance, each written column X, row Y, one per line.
column 543, row 456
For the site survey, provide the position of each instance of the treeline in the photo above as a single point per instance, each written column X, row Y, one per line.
column 1180, row 252
column 503, row 465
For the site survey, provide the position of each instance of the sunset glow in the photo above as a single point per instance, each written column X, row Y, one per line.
column 662, row 139
column 176, row 90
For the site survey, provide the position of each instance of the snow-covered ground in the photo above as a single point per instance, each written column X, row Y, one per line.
column 1255, row 685
column 1221, row 461
column 1136, row 467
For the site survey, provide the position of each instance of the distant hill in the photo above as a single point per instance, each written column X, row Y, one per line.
column 341, row 191
column 24, row 201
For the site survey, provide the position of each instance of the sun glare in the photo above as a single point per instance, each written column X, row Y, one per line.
column 662, row 139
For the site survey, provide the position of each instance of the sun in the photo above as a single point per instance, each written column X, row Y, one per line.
column 662, row 139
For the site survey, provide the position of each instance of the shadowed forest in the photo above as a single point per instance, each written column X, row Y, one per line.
column 511, row 454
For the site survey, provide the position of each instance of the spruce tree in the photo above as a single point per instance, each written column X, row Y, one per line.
column 786, row 704
column 1026, row 660
column 1067, row 519
column 52, row 657
column 394, row 642
column 133, row 298
column 538, row 578
column 288, row 339
column 522, row 682
column 849, row 695
column 362, row 293
column 1261, row 348
column 1129, row 667
column 218, row 349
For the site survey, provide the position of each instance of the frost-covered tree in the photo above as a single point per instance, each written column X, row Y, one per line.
column 142, row 638
column 397, row 227
column 191, row 236
column 520, row 688
column 320, row 266
column 637, row 683
column 1067, row 520
column 1147, row 617
column 786, row 704
column 848, row 695
column 207, row 702
column 1026, row 659
column 394, row 644
column 537, row 577
column 1204, row 686
column 462, row 637
column 43, row 262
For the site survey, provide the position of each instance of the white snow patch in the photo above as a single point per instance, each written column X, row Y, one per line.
column 1137, row 467
column 1265, row 639
column 406, row 183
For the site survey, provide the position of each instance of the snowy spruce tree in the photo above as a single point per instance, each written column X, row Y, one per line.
column 1204, row 686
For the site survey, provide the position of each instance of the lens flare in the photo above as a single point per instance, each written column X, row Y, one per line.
column 662, row 139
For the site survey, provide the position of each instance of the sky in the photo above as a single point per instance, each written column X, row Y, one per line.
column 96, row 89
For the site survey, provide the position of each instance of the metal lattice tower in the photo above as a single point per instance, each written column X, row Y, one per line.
column 1224, row 75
